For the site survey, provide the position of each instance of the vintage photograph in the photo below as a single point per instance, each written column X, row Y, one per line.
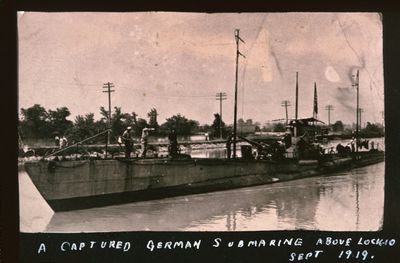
column 178, row 121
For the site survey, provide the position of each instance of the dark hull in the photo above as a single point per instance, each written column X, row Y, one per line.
column 138, row 180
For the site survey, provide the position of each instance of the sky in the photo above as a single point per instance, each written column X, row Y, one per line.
column 177, row 62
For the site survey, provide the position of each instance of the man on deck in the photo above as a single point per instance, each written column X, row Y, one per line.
column 144, row 140
column 127, row 140
column 228, row 145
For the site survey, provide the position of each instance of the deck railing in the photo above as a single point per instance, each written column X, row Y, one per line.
column 78, row 143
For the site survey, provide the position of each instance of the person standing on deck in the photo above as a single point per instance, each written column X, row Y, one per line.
column 144, row 140
column 63, row 142
column 228, row 145
column 127, row 140
column 353, row 144
column 57, row 140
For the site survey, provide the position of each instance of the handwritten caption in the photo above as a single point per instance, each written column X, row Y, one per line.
column 349, row 248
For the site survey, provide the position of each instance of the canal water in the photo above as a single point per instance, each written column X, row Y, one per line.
column 344, row 201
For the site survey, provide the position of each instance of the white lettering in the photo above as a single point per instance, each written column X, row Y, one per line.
column 127, row 246
column 240, row 244
column 74, row 247
column 42, row 247
column 81, row 245
column 150, row 245
column 64, row 243
column 217, row 242
column 178, row 244
column 119, row 245
column 292, row 256
column 196, row 244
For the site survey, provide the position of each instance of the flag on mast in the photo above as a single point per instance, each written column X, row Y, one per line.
column 315, row 108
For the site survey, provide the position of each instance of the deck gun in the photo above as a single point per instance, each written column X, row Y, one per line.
column 263, row 149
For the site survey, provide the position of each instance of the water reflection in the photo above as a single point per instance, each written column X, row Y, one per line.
column 347, row 201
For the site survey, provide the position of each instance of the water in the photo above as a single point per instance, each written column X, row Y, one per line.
column 345, row 201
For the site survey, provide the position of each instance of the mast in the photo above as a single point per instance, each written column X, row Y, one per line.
column 356, row 84
column 296, row 105
column 315, row 106
column 237, row 38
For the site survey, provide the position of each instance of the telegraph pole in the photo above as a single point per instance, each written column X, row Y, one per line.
column 356, row 84
column 286, row 104
column 329, row 108
column 220, row 96
column 297, row 96
column 108, row 90
column 237, row 38
column 360, row 110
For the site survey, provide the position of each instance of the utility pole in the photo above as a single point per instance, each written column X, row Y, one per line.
column 356, row 84
column 108, row 90
column 360, row 110
column 220, row 96
column 297, row 96
column 329, row 108
column 286, row 104
column 237, row 38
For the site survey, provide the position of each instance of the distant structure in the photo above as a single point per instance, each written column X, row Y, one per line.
column 246, row 127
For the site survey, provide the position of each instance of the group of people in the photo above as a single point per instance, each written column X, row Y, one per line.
column 61, row 141
column 127, row 139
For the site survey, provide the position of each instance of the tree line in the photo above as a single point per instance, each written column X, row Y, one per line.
column 38, row 123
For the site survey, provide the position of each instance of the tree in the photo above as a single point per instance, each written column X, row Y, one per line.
column 204, row 128
column 134, row 116
column 117, row 122
column 279, row 127
column 153, row 119
column 218, row 126
column 180, row 124
column 249, row 121
column 338, row 126
column 120, row 121
column 139, row 126
column 372, row 130
column 84, row 127
column 104, row 113
column 58, row 121
column 35, row 123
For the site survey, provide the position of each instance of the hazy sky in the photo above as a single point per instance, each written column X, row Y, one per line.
column 177, row 62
